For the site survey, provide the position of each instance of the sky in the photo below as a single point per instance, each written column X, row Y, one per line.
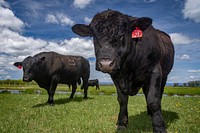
column 28, row 27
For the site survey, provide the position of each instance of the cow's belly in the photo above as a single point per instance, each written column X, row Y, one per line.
column 69, row 80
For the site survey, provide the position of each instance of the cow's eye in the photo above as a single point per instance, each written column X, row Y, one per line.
column 121, row 38
column 29, row 70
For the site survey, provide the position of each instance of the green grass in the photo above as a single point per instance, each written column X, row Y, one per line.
column 21, row 113
column 182, row 90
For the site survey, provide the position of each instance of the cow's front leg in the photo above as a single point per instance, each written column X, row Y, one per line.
column 54, row 83
column 123, row 113
column 154, row 100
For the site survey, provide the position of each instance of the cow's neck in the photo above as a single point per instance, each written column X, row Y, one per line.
column 133, row 71
column 42, row 80
column 126, row 84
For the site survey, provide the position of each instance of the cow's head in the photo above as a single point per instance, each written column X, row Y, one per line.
column 30, row 67
column 111, row 32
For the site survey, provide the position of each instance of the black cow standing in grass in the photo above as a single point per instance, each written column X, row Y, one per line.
column 136, row 55
column 50, row 68
column 94, row 82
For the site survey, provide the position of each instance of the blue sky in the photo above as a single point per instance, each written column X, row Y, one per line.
column 28, row 27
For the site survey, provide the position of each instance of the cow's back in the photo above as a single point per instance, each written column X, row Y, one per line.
column 72, row 68
column 67, row 67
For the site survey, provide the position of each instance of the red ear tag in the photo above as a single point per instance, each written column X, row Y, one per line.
column 137, row 33
column 20, row 67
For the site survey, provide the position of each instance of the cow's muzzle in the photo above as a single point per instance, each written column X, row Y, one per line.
column 106, row 65
column 27, row 79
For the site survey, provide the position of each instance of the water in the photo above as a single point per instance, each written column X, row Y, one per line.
column 81, row 93
column 11, row 91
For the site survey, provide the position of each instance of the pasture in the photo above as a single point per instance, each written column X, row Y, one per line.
column 28, row 112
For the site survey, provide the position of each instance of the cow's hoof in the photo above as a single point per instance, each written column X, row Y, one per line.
column 121, row 128
column 160, row 132
column 51, row 104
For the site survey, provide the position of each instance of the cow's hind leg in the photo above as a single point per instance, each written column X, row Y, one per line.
column 164, row 80
column 85, row 85
column 54, row 83
column 74, row 86
column 154, row 100
column 97, row 86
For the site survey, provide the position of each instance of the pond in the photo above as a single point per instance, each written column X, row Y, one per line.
column 79, row 93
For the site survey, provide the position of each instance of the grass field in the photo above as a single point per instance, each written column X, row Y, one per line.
column 28, row 113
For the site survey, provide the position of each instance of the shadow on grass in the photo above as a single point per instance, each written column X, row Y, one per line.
column 142, row 122
column 62, row 101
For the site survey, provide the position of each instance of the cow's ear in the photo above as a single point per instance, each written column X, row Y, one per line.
column 82, row 30
column 18, row 64
column 142, row 23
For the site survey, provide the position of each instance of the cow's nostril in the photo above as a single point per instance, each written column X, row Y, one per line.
column 99, row 64
column 112, row 63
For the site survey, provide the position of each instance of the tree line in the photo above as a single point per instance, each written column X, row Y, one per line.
column 189, row 84
column 16, row 82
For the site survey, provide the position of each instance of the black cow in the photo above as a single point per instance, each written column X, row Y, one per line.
column 50, row 68
column 94, row 82
column 136, row 55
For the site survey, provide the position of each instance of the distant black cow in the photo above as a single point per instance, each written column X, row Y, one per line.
column 50, row 68
column 94, row 82
column 136, row 55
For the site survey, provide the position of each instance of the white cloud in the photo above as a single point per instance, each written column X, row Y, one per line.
column 17, row 45
column 13, row 43
column 33, row 8
column 194, row 71
column 179, row 38
column 87, row 20
column 9, row 20
column 149, row 1
column 64, row 20
column 3, row 72
column 79, row 46
column 50, row 18
column 4, row 3
column 185, row 57
column 81, row 3
column 191, row 10
column 59, row 18
column 191, row 77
